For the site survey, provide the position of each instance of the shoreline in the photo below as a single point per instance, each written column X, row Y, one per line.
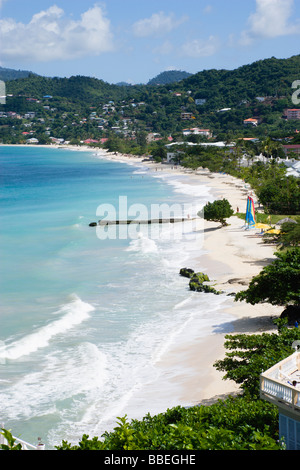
column 233, row 256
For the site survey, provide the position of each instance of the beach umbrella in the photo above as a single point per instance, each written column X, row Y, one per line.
column 287, row 219
column 263, row 226
column 275, row 231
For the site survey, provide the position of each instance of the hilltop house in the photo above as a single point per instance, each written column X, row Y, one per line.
column 91, row 141
column 251, row 122
column 187, row 116
column 153, row 137
column 196, row 131
column 290, row 149
column 172, row 156
column 292, row 114
column 33, row 140
column 200, row 101
column 29, row 115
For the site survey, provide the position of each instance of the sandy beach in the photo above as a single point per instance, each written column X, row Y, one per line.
column 233, row 256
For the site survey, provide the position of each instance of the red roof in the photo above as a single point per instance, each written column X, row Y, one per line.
column 295, row 146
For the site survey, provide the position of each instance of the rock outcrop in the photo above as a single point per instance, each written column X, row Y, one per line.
column 197, row 281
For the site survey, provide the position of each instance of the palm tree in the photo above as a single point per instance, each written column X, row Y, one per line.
column 239, row 151
column 270, row 148
column 266, row 147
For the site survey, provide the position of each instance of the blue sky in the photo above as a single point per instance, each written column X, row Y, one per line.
column 135, row 40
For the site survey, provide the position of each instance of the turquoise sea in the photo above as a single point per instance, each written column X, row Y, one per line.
column 85, row 317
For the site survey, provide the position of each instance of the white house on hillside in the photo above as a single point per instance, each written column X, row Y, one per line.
column 196, row 131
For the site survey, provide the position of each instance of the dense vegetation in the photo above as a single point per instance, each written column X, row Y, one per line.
column 284, row 273
column 169, row 76
column 289, row 235
column 237, row 424
column 236, row 91
column 11, row 74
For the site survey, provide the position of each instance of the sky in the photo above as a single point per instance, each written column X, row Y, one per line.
column 135, row 40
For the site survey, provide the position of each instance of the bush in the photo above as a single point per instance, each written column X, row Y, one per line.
column 233, row 424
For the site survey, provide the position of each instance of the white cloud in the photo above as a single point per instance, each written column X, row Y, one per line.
column 164, row 49
column 200, row 48
column 51, row 36
column 158, row 24
column 271, row 19
column 208, row 9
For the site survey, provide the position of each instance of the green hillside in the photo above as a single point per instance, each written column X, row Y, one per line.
column 219, row 100
column 12, row 74
column 269, row 77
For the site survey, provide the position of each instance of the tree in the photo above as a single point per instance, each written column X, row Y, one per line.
column 235, row 424
column 280, row 194
column 290, row 233
column 159, row 152
column 270, row 148
column 278, row 283
column 141, row 140
column 249, row 355
column 218, row 211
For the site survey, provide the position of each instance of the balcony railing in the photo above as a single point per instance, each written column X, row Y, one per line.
column 281, row 383
column 25, row 445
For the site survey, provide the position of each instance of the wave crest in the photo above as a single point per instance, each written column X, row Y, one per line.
column 72, row 314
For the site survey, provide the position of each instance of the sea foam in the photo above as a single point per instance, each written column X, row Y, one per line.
column 143, row 244
column 71, row 314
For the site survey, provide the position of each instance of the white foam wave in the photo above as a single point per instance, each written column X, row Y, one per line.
column 135, row 366
column 182, row 184
column 195, row 190
column 141, row 171
column 66, row 374
column 73, row 314
column 143, row 245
